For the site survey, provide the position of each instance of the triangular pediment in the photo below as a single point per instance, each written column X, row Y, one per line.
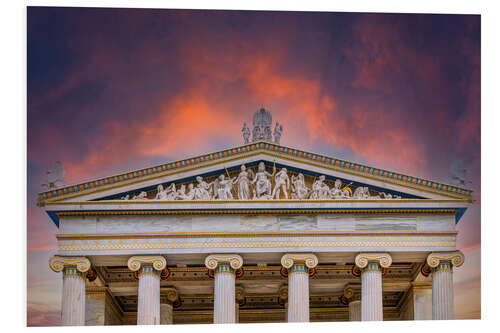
column 378, row 181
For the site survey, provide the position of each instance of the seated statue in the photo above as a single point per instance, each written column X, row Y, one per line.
column 262, row 183
column 320, row 189
column 203, row 190
column 338, row 193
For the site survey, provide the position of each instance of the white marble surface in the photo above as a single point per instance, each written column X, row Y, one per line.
column 73, row 301
column 371, row 296
column 355, row 311
column 443, row 307
column 148, row 302
column 298, row 297
column 166, row 314
column 224, row 298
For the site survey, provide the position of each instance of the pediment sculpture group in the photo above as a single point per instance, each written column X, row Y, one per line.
column 258, row 186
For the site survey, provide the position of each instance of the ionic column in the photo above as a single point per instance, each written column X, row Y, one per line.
column 148, row 300
column 298, row 266
column 73, row 296
column 352, row 297
column 168, row 296
column 441, row 264
column 371, row 265
column 225, row 266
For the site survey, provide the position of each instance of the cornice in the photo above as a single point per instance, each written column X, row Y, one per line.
column 249, row 150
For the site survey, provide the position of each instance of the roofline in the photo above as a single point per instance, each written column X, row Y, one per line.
column 362, row 170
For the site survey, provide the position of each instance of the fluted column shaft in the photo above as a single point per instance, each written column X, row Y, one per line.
column 355, row 310
column 298, row 292
column 442, row 292
column 224, row 298
column 73, row 297
column 166, row 314
column 441, row 264
column 148, row 303
column 371, row 292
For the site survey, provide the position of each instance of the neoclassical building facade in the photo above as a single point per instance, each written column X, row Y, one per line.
column 256, row 233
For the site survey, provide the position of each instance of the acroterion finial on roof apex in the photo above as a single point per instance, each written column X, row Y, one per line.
column 262, row 122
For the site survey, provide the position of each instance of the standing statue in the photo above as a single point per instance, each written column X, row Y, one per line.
column 224, row 188
column 246, row 133
column 339, row 193
column 203, row 190
column 281, row 181
column 320, row 190
column 262, row 183
column 299, row 188
column 278, row 129
column 243, row 181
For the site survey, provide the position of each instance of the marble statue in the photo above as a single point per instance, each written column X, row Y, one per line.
column 262, row 122
column 203, row 190
column 243, row 181
column 278, row 129
column 246, row 133
column 141, row 196
column 161, row 194
column 320, row 189
column 181, row 193
column 299, row 188
column 186, row 196
column 127, row 197
column 337, row 192
column 224, row 188
column 281, row 183
column 262, row 183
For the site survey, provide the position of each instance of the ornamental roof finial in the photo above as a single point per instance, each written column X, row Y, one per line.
column 262, row 131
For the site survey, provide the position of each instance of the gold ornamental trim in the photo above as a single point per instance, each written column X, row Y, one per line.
column 201, row 234
column 367, row 211
column 223, row 202
column 269, row 244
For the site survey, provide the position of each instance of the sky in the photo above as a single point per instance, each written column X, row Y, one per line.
column 112, row 90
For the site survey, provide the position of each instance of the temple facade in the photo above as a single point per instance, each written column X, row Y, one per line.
column 256, row 233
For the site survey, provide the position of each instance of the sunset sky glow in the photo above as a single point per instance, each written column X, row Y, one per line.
column 112, row 90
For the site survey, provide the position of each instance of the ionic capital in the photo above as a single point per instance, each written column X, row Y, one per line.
column 234, row 260
column 134, row 263
column 58, row 263
column 289, row 259
column 456, row 258
column 283, row 294
column 351, row 289
column 383, row 259
column 169, row 295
